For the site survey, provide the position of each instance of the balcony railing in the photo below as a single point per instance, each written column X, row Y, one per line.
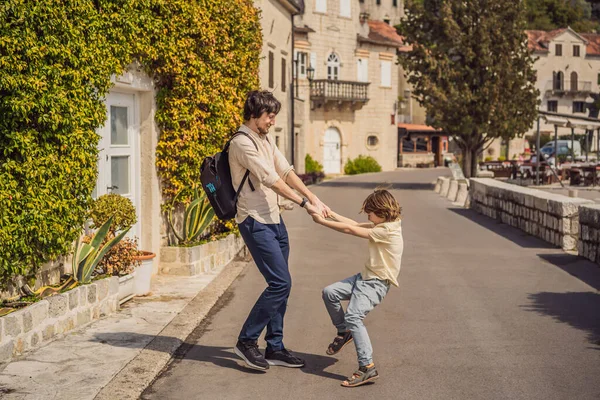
column 323, row 91
column 568, row 87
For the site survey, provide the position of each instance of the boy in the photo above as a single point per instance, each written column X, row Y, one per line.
column 367, row 289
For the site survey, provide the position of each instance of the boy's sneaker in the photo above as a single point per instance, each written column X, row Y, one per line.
column 362, row 376
column 339, row 342
column 248, row 351
column 283, row 358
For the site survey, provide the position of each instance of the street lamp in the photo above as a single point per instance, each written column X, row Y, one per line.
column 310, row 73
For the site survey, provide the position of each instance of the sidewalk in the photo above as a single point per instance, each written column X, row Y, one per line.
column 118, row 356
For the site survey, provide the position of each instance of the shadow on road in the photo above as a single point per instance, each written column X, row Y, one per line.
column 374, row 185
column 220, row 356
column 506, row 231
column 579, row 267
column 577, row 309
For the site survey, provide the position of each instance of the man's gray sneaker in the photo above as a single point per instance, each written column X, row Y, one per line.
column 283, row 358
column 248, row 351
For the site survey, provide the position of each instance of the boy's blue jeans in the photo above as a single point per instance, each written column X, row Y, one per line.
column 363, row 296
column 270, row 249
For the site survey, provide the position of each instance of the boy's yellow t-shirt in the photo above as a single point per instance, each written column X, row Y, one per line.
column 385, row 252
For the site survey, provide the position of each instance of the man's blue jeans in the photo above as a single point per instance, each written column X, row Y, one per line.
column 270, row 249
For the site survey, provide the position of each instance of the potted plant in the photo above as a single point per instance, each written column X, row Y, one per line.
column 134, row 267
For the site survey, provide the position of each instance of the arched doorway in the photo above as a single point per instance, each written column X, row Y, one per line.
column 332, row 151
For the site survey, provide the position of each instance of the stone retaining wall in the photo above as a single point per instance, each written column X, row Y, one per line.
column 589, row 232
column 550, row 217
column 41, row 322
column 205, row 258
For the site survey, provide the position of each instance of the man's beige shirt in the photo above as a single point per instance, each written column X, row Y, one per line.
column 385, row 252
column 266, row 166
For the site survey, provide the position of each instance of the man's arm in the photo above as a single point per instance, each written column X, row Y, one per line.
column 354, row 230
column 296, row 183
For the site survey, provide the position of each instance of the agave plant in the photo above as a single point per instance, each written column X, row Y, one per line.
column 88, row 255
column 197, row 217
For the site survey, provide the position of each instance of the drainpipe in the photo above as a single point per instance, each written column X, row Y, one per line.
column 293, row 92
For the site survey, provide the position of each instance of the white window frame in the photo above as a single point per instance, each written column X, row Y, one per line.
column 321, row 6
column 346, row 8
column 386, row 73
column 333, row 67
column 302, row 58
column 362, row 69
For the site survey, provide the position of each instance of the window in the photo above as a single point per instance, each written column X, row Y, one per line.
column 599, row 79
column 395, row 3
column 321, row 6
column 362, row 68
column 558, row 49
column 378, row 2
column 574, row 81
column 372, row 141
column 302, row 64
column 386, row 20
column 421, row 145
column 333, row 67
column 386, row 73
column 277, row 141
column 552, row 106
column 283, row 74
column 578, row 107
column 575, row 50
column 345, row 8
column 408, row 146
column 271, row 72
column 558, row 80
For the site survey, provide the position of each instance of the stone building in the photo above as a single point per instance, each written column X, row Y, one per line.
column 276, row 63
column 347, row 82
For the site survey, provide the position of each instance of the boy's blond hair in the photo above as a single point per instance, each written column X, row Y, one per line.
column 383, row 204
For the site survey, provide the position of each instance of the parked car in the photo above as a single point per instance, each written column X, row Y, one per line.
column 564, row 147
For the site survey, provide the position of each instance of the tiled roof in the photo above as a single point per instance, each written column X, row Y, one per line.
column 416, row 127
column 383, row 34
column 593, row 46
column 538, row 40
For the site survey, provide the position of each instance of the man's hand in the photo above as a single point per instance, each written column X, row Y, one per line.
column 311, row 209
column 321, row 207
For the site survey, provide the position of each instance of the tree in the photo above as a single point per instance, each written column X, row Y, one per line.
column 471, row 69
column 553, row 14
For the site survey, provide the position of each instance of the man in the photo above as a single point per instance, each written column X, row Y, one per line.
column 263, row 229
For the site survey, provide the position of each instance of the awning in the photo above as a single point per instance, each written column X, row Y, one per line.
column 559, row 121
column 576, row 123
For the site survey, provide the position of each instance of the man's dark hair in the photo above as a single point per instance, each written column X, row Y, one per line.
column 259, row 102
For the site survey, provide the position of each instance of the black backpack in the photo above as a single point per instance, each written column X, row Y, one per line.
column 215, row 176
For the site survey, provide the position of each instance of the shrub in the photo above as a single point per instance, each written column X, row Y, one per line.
column 57, row 59
column 310, row 165
column 120, row 259
column 488, row 159
column 113, row 205
column 501, row 158
column 361, row 164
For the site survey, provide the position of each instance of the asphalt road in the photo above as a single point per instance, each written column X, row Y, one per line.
column 483, row 312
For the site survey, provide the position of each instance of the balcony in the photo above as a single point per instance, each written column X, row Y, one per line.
column 573, row 88
column 332, row 93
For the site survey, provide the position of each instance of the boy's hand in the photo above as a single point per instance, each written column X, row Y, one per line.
column 317, row 218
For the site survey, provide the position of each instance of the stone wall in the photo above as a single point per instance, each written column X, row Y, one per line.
column 589, row 232
column 39, row 323
column 551, row 217
column 205, row 258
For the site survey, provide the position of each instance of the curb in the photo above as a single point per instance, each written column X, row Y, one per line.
column 139, row 373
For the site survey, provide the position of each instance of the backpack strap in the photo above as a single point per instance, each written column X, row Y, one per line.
column 247, row 174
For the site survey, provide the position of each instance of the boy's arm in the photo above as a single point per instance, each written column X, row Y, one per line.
column 354, row 230
column 340, row 218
